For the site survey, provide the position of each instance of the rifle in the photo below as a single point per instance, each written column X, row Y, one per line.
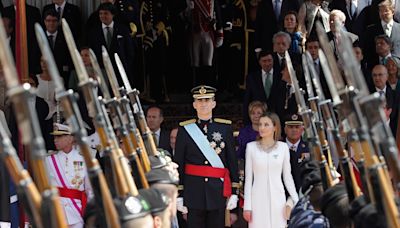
column 312, row 136
column 134, row 132
column 73, row 117
column 21, row 95
column 325, row 105
column 123, row 182
column 27, row 190
column 125, row 121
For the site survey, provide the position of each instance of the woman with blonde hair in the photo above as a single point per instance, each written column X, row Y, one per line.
column 267, row 164
column 393, row 68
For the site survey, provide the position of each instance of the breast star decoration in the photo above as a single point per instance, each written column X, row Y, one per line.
column 217, row 142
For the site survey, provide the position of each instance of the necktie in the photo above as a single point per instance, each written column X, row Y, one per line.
column 288, row 94
column 51, row 41
column 277, row 9
column 353, row 9
column 283, row 63
column 316, row 66
column 382, row 93
column 267, row 84
column 292, row 148
column 108, row 36
column 59, row 12
column 387, row 30
column 155, row 138
column 383, row 60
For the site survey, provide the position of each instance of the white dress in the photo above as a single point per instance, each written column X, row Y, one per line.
column 264, row 193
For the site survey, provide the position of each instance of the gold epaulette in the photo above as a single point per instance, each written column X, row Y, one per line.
column 224, row 121
column 235, row 185
column 183, row 123
column 51, row 152
column 180, row 187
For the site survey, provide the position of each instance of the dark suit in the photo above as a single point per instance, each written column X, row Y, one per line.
column 353, row 24
column 369, row 41
column 267, row 24
column 390, row 96
column 202, row 194
column 32, row 17
column 255, row 91
column 121, row 43
column 163, row 140
column 62, row 57
column 72, row 15
column 296, row 158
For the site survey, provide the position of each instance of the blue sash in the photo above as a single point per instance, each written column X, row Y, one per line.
column 204, row 145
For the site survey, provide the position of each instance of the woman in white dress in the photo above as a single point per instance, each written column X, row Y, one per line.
column 267, row 161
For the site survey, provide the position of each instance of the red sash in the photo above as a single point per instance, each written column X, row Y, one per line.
column 70, row 193
column 209, row 171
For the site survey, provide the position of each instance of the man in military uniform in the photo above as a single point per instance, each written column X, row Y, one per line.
column 299, row 152
column 207, row 163
column 67, row 171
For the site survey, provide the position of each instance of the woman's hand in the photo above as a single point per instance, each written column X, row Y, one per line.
column 287, row 212
column 247, row 216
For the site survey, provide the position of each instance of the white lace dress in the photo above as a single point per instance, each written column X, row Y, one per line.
column 264, row 192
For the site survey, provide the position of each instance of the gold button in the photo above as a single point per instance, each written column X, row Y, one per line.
column 206, row 162
column 206, row 179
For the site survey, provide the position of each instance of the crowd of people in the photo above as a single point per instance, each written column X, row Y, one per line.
column 228, row 43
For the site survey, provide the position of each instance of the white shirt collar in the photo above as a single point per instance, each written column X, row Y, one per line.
column 384, row 89
column 111, row 25
column 295, row 145
column 62, row 6
column 157, row 132
column 390, row 24
column 53, row 34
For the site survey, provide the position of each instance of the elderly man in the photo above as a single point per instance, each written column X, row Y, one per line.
column 67, row 171
column 207, row 163
column 380, row 78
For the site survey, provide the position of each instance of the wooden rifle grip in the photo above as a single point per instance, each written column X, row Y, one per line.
column 132, row 152
column 144, row 155
column 108, row 204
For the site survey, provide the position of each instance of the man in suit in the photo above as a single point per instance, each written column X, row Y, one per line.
column 312, row 46
column 71, row 13
column 386, row 26
column 382, row 48
column 114, row 36
column 205, row 153
column 298, row 149
column 380, row 79
column 154, row 118
column 281, row 43
column 58, row 44
column 270, row 14
column 337, row 21
column 32, row 16
column 260, row 85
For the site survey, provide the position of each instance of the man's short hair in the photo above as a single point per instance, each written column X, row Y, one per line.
column 157, row 107
column 107, row 6
column 264, row 53
column 335, row 206
column 341, row 16
column 387, row 3
column 50, row 12
column 385, row 38
column 284, row 34
column 312, row 39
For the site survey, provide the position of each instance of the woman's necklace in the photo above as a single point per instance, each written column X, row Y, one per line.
column 267, row 147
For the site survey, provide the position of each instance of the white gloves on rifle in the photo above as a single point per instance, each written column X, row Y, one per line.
column 180, row 207
column 232, row 202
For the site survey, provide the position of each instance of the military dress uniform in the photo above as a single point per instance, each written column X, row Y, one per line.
column 299, row 151
column 204, row 193
column 68, row 173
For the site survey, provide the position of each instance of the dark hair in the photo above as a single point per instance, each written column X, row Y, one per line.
column 312, row 39
column 384, row 38
column 335, row 206
column 50, row 12
column 157, row 107
column 264, row 53
column 276, row 122
column 107, row 6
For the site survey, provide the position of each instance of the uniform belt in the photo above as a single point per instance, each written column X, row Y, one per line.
column 209, row 171
column 74, row 194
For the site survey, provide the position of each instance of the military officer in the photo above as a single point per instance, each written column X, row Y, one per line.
column 68, row 173
column 207, row 163
column 299, row 151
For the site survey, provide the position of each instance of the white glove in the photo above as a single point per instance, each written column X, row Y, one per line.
column 219, row 41
column 232, row 202
column 180, row 207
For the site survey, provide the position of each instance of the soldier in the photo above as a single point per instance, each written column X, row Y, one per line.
column 159, row 207
column 68, row 173
column 298, row 149
column 207, row 163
